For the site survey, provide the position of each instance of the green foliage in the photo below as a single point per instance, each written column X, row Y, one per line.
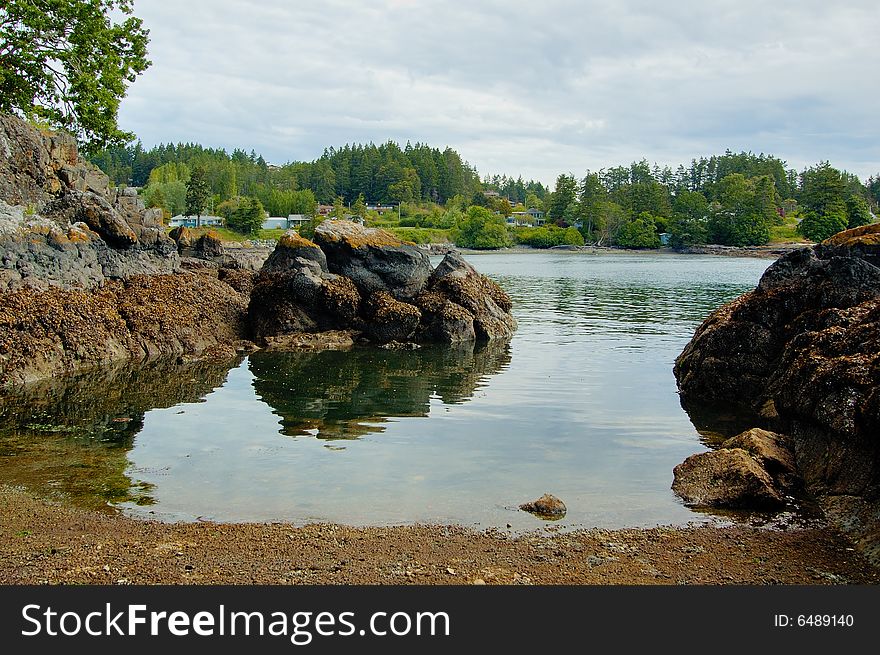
column 744, row 212
column 248, row 217
column 688, row 226
column 482, row 230
column 308, row 230
column 857, row 212
column 548, row 236
column 196, row 192
column 639, row 233
column 818, row 227
column 69, row 63
column 360, row 206
column 420, row 234
column 564, row 195
column 536, row 237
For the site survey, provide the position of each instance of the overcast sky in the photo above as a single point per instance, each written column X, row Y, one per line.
column 516, row 87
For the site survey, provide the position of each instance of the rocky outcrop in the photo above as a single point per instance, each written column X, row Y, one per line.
column 305, row 286
column 375, row 260
column 60, row 224
column 462, row 288
column 88, row 275
column 61, row 330
column 754, row 470
column 803, row 348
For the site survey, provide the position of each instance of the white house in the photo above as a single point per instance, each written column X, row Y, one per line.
column 293, row 221
column 196, row 221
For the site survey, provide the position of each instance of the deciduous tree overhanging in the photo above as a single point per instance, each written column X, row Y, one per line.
column 67, row 63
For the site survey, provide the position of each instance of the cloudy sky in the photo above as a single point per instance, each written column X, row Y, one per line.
column 517, row 87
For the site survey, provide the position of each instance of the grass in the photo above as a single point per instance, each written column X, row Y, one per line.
column 787, row 232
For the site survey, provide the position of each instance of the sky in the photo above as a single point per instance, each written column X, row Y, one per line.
column 516, row 87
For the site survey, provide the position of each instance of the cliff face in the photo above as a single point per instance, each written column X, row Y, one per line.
column 803, row 349
column 61, row 226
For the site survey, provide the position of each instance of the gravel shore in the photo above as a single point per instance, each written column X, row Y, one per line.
column 48, row 543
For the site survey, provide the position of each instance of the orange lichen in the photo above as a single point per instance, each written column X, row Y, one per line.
column 866, row 235
column 293, row 239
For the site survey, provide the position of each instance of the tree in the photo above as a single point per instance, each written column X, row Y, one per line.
column 481, row 229
column 196, row 191
column 564, row 194
column 360, row 207
column 743, row 213
column 248, row 218
column 67, row 62
column 822, row 195
column 338, row 208
column 818, row 227
column 639, row 233
column 689, row 215
column 857, row 212
column 592, row 198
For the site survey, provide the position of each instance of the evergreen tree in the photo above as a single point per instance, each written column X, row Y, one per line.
column 196, row 192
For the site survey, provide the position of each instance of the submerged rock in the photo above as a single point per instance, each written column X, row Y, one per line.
column 547, row 506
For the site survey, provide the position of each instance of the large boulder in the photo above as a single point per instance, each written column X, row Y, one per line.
column 726, row 478
column 389, row 319
column 459, row 283
column 805, row 344
column 295, row 293
column 375, row 260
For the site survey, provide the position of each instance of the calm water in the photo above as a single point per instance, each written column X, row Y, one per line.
column 581, row 403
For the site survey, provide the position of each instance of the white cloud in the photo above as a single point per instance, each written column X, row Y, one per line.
column 516, row 87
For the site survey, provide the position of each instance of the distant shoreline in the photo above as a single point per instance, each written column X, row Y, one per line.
column 763, row 252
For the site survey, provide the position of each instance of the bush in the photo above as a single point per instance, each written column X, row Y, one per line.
column 482, row 230
column 639, row 233
column 818, row 227
column 248, row 218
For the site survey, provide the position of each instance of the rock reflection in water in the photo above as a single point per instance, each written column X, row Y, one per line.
column 70, row 437
column 345, row 395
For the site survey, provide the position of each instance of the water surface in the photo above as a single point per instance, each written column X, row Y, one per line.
column 580, row 403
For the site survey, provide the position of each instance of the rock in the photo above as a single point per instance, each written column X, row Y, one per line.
column 389, row 319
column 328, row 340
column 773, row 452
column 375, row 260
column 726, row 478
column 60, row 225
column 302, row 297
column 208, row 246
column 291, row 247
column 182, row 236
column 96, row 212
column 458, row 282
column 547, row 506
column 804, row 349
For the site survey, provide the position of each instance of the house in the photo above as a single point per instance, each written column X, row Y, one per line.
column 324, row 210
column 292, row 222
column 380, row 209
column 196, row 221
column 528, row 217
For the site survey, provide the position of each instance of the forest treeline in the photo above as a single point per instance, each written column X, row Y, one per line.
column 734, row 198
